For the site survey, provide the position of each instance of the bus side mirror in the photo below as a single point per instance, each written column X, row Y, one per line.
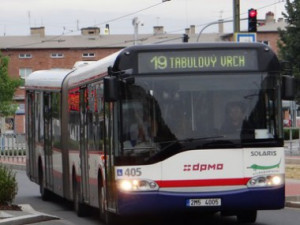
column 111, row 93
column 288, row 89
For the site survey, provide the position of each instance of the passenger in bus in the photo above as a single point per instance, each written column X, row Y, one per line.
column 140, row 130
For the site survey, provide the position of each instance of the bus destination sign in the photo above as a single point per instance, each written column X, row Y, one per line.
column 194, row 61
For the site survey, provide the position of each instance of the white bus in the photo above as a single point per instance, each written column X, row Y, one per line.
column 160, row 129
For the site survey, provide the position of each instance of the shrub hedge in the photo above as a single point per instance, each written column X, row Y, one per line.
column 295, row 133
column 8, row 185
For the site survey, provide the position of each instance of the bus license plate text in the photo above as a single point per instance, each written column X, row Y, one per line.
column 203, row 202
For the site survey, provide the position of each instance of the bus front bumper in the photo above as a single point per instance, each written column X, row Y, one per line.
column 133, row 203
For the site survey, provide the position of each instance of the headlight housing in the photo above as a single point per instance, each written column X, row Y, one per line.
column 137, row 185
column 266, row 181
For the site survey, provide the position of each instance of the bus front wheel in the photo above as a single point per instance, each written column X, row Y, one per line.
column 247, row 216
column 107, row 217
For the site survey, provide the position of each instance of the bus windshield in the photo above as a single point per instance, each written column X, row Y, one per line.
column 162, row 115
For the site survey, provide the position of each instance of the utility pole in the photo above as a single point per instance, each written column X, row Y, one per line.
column 236, row 16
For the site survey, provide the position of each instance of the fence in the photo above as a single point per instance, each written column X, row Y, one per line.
column 13, row 148
column 292, row 141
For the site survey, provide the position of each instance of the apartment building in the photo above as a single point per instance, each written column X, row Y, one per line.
column 39, row 51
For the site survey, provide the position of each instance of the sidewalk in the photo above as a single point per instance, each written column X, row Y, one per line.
column 26, row 216
column 292, row 193
column 292, row 188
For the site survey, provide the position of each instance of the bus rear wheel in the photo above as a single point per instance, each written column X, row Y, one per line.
column 45, row 193
column 101, row 202
column 79, row 208
column 247, row 216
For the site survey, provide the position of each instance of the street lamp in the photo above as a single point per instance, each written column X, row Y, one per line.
column 136, row 22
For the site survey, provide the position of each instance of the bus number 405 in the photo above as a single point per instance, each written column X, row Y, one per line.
column 133, row 172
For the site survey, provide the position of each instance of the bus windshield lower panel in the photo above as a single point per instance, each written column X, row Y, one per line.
column 162, row 116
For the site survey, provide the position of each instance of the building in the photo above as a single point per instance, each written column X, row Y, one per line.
column 39, row 51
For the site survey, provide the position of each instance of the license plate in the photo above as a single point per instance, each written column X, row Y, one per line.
column 203, row 202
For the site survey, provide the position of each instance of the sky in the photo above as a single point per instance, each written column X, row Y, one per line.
column 69, row 16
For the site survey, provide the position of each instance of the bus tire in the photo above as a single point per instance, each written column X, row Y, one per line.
column 111, row 219
column 107, row 217
column 45, row 193
column 79, row 208
column 247, row 216
column 101, row 202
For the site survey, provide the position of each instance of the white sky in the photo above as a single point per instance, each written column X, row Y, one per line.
column 66, row 16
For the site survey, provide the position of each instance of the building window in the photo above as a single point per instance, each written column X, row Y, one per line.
column 24, row 72
column 57, row 55
column 25, row 56
column 265, row 42
column 91, row 54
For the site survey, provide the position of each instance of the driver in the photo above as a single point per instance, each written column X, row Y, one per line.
column 234, row 118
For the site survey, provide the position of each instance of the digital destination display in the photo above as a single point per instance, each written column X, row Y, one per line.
column 193, row 61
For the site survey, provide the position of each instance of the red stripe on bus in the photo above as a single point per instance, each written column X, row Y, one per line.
column 202, row 183
column 57, row 174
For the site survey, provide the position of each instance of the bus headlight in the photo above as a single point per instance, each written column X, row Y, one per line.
column 266, row 181
column 137, row 185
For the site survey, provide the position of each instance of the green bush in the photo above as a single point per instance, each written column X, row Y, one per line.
column 295, row 133
column 8, row 185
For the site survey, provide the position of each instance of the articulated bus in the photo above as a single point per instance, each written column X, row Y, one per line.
column 160, row 129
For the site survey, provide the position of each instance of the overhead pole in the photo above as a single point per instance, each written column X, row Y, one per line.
column 236, row 16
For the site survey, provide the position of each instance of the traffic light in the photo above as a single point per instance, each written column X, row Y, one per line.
column 252, row 21
column 185, row 38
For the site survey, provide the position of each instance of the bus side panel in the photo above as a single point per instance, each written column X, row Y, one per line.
column 57, row 172
column 95, row 164
column 31, row 167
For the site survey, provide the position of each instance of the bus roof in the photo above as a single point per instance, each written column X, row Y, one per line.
column 154, row 59
column 53, row 79
column 191, row 46
column 91, row 71
column 46, row 79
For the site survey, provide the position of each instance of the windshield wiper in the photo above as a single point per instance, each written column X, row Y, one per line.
column 186, row 140
column 222, row 144
column 168, row 150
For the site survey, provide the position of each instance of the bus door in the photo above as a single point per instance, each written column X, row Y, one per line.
column 109, row 145
column 31, row 159
column 83, row 144
column 48, row 140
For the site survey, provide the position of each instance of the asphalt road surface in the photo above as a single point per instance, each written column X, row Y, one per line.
column 29, row 194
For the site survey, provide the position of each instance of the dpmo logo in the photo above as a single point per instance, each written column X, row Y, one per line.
column 202, row 167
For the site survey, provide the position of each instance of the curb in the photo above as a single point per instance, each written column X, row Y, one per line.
column 292, row 160
column 292, row 201
column 292, row 204
column 27, row 219
column 31, row 216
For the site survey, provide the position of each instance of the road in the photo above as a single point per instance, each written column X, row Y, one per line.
column 29, row 194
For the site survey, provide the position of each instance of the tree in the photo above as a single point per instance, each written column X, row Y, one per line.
column 8, row 87
column 289, row 43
